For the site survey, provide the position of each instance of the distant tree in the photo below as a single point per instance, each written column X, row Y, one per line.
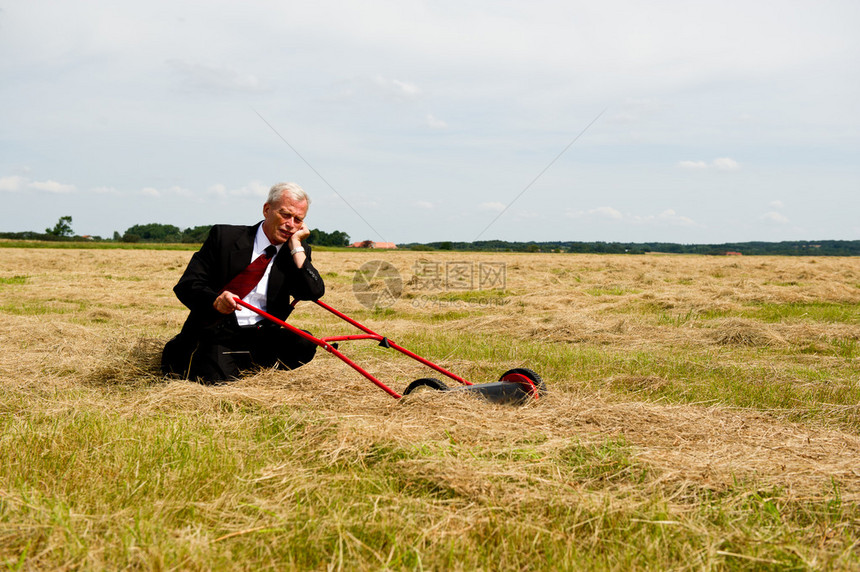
column 62, row 229
column 338, row 238
column 155, row 232
column 117, row 236
column 323, row 238
column 196, row 234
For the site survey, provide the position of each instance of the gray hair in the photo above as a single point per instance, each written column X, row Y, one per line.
column 292, row 190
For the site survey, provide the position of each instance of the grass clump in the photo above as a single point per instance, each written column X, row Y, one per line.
column 19, row 279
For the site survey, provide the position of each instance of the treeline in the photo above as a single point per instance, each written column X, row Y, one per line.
column 785, row 248
column 323, row 238
column 156, row 233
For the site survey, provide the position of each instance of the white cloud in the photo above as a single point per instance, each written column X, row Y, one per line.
column 426, row 205
column 666, row 218
column 721, row 164
column 251, row 189
column 396, row 87
column 218, row 190
column 51, row 187
column 777, row 204
column 405, row 88
column 13, row 183
column 150, row 192
column 669, row 216
column 775, row 217
column 726, row 164
column 673, row 217
column 493, row 206
column 602, row 212
column 377, row 86
column 607, row 212
column 435, row 123
column 17, row 183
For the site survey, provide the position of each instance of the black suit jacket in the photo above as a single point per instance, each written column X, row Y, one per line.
column 226, row 252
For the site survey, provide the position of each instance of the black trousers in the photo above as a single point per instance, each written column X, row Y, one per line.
column 226, row 350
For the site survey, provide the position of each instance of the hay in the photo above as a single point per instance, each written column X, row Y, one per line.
column 109, row 338
column 743, row 332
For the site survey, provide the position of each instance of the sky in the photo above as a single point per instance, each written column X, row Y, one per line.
column 409, row 121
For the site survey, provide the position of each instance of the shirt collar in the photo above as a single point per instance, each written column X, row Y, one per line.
column 261, row 242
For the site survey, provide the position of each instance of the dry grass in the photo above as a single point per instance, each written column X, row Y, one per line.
column 703, row 414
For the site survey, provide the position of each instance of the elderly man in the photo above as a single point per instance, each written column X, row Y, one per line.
column 264, row 265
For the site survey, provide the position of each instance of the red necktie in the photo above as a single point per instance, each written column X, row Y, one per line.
column 246, row 280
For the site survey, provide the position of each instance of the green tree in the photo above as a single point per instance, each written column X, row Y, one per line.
column 323, row 238
column 154, row 232
column 62, row 228
column 196, row 234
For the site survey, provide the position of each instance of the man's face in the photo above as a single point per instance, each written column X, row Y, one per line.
column 283, row 218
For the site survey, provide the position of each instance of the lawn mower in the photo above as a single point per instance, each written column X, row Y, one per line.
column 516, row 386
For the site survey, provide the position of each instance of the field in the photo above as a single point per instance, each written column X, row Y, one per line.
column 702, row 414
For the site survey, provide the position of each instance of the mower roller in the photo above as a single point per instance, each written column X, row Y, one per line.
column 516, row 386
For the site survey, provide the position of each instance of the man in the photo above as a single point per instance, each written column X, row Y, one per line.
column 221, row 338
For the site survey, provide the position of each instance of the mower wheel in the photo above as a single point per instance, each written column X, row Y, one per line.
column 518, row 373
column 424, row 384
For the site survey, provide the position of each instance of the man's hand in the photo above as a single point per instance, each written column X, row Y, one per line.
column 298, row 236
column 296, row 242
column 225, row 303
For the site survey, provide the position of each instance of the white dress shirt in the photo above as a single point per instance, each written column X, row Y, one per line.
column 257, row 296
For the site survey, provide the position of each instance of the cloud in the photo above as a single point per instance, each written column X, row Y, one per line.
column 721, row 164
column 693, row 165
column 435, row 123
column 775, row 217
column 12, row 184
column 602, row 212
column 777, row 204
column 493, row 206
column 150, row 192
column 218, row 190
column 726, row 164
column 216, row 77
column 51, row 187
column 16, row 183
column 376, row 86
column 251, row 189
column 607, row 212
column 397, row 87
column 666, row 218
column 426, row 205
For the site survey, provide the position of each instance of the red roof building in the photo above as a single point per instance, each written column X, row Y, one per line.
column 372, row 244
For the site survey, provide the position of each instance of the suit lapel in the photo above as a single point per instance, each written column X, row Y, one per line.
column 239, row 255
